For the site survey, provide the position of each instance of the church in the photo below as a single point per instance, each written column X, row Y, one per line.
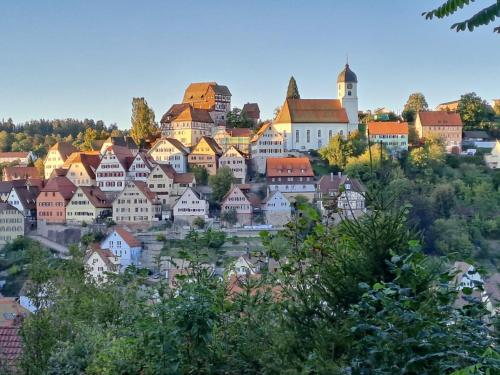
column 308, row 124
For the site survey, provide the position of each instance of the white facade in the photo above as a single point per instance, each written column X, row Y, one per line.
column 127, row 254
column 277, row 209
column 267, row 143
column 111, row 174
column 309, row 136
column 99, row 263
column 190, row 206
column 140, row 168
column 234, row 160
column 348, row 95
column 242, row 267
column 136, row 204
column 166, row 152
column 306, row 188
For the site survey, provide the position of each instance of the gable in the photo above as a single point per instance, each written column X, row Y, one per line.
column 235, row 195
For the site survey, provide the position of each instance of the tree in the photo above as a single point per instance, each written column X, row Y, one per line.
column 336, row 152
column 199, row 222
column 415, row 103
column 474, row 110
column 293, row 90
column 143, row 121
column 221, row 183
column 229, row 216
column 276, row 112
column 89, row 137
column 237, row 119
column 200, row 175
column 483, row 17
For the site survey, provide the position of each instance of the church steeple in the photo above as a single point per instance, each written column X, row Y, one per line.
column 347, row 85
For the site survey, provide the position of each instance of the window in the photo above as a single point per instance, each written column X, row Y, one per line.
column 308, row 136
column 297, row 138
column 319, row 133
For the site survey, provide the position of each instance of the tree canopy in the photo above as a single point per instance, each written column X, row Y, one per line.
column 221, row 183
column 237, row 119
column 474, row 111
column 415, row 103
column 143, row 121
column 293, row 90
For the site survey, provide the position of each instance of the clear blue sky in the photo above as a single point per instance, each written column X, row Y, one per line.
column 87, row 59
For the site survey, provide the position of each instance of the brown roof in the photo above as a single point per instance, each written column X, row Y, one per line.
column 143, row 187
column 123, row 141
column 289, row 167
column 104, row 254
column 333, row 182
column 89, row 159
column 96, row 196
column 251, row 110
column 198, row 91
column 441, row 118
column 194, row 114
column 65, row 149
column 174, row 142
column 128, row 237
column 184, row 178
column 62, row 185
column 6, row 186
column 239, row 132
column 11, row 348
column 168, row 170
column 6, row 206
column 214, row 146
column 173, row 112
column 123, row 154
column 312, row 111
column 389, row 127
column 27, row 196
column 14, row 154
column 18, row 173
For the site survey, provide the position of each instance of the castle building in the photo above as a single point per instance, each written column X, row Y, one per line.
column 210, row 96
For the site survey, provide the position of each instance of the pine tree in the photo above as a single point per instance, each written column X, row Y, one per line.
column 293, row 90
column 143, row 121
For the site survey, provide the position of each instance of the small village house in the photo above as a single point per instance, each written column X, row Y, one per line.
column 445, row 125
column 53, row 199
column 339, row 192
column 6, row 187
column 291, row 176
column 205, row 154
column 242, row 202
column 189, row 207
column 81, row 167
column 124, row 245
column 277, row 209
column 99, row 263
column 170, row 151
column 56, row 157
column 392, row 134
column 236, row 161
column 267, row 142
column 12, row 223
column 141, row 167
column 111, row 174
column 88, row 205
column 20, row 173
column 22, row 158
column 24, row 199
column 168, row 184
column 136, row 203
column 121, row 141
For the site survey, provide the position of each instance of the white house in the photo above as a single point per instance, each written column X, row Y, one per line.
column 99, row 263
column 24, row 199
column 170, row 151
column 190, row 206
column 136, row 203
column 111, row 173
column 141, row 167
column 235, row 160
column 267, row 142
column 124, row 245
column 291, row 176
column 242, row 202
column 56, row 157
column 277, row 209
column 243, row 267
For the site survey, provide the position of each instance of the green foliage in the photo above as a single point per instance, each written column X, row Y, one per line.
column 229, row 216
column 143, row 121
column 364, row 165
column 89, row 137
column 292, row 91
column 336, row 152
column 416, row 102
column 483, row 17
column 237, row 119
column 220, row 183
column 199, row 222
column 200, row 175
column 474, row 111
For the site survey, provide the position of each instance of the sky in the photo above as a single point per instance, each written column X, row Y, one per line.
column 89, row 58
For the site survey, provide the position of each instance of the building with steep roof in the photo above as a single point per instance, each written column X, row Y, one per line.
column 24, row 199
column 140, row 167
column 88, row 205
column 100, row 263
column 243, row 202
column 210, row 96
column 291, row 176
column 168, row 184
column 111, row 174
column 186, row 123
column 277, row 209
column 205, row 154
column 392, row 134
column 53, row 199
column 136, row 203
column 122, row 141
column 20, row 173
column 251, row 111
column 56, row 157
column 441, row 124
column 236, row 161
column 12, row 224
column 267, row 142
column 6, row 187
column 340, row 193
column 124, row 245
column 190, row 206
column 170, row 151
column 81, row 167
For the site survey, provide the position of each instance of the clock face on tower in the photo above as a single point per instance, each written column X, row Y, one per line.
column 349, row 86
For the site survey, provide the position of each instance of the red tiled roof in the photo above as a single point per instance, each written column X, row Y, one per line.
column 239, row 132
column 62, row 185
column 184, row 178
column 194, row 114
column 17, row 173
column 168, row 170
column 289, row 167
column 389, row 127
column 14, row 154
column 442, row 118
column 128, row 237
column 89, row 160
column 251, row 110
column 332, row 182
column 174, row 142
column 312, row 111
column 123, row 154
column 143, row 187
column 11, row 347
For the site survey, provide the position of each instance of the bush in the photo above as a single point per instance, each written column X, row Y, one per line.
column 161, row 238
column 199, row 222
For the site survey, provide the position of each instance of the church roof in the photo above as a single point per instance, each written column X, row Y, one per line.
column 347, row 75
column 312, row 111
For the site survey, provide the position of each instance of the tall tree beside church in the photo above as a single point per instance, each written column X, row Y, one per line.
column 293, row 90
column 143, row 121
column 415, row 103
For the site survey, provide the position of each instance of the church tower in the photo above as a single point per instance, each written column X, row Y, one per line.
column 347, row 87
